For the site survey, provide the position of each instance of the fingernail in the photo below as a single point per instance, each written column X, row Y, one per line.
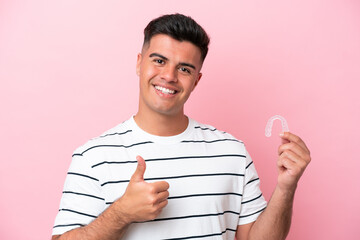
column 281, row 134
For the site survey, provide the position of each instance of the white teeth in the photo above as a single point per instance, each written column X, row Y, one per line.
column 165, row 90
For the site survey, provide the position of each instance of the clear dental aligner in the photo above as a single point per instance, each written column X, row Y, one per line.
column 269, row 125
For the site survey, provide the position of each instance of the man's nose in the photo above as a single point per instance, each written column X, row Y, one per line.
column 169, row 73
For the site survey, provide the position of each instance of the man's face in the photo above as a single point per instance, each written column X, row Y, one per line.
column 168, row 70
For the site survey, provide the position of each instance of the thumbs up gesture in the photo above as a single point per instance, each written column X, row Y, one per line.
column 143, row 201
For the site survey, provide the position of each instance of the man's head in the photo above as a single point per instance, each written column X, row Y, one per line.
column 179, row 27
column 169, row 65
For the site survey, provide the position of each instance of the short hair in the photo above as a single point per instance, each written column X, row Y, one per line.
column 181, row 28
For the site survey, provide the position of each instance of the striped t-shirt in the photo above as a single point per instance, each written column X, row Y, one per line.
column 214, row 186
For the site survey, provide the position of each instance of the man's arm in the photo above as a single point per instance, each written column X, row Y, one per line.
column 109, row 225
column 274, row 222
column 141, row 201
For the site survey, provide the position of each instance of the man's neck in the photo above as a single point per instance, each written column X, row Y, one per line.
column 162, row 125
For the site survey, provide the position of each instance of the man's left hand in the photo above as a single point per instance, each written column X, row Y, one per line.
column 294, row 156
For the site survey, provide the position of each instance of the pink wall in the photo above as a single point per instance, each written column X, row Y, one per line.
column 67, row 72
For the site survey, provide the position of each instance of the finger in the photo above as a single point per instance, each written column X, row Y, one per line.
column 293, row 138
column 162, row 196
column 140, row 170
column 159, row 207
column 293, row 169
column 285, row 163
column 293, row 157
column 292, row 146
column 283, row 140
column 160, row 186
column 162, row 204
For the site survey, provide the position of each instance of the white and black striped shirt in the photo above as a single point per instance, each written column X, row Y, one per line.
column 214, row 186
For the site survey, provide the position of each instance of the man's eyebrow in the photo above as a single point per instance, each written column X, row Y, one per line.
column 158, row 55
column 187, row 65
column 165, row 58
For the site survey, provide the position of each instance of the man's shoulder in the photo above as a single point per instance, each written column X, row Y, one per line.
column 113, row 136
column 208, row 130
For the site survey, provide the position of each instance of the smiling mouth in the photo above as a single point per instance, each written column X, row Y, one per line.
column 165, row 90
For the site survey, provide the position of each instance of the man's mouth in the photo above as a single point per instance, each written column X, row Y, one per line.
column 165, row 90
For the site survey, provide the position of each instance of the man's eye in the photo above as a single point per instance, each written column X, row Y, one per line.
column 159, row 61
column 184, row 69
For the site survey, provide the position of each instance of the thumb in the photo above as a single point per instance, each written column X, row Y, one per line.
column 140, row 169
column 284, row 138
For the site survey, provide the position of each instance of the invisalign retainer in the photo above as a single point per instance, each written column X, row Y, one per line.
column 269, row 125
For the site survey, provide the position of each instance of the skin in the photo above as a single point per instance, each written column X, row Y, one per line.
column 170, row 64
column 141, row 201
column 174, row 65
column 274, row 222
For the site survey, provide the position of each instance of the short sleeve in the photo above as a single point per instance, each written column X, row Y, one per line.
column 82, row 199
column 253, row 203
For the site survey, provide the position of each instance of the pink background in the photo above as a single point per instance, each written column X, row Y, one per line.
column 67, row 71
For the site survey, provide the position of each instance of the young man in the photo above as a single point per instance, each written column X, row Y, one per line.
column 197, row 182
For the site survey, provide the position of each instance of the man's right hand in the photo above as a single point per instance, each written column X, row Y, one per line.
column 142, row 201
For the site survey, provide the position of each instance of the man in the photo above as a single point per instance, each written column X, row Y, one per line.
column 197, row 182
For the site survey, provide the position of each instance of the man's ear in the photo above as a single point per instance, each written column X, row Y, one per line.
column 197, row 81
column 138, row 63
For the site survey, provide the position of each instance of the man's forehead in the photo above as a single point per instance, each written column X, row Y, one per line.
column 163, row 44
column 158, row 38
